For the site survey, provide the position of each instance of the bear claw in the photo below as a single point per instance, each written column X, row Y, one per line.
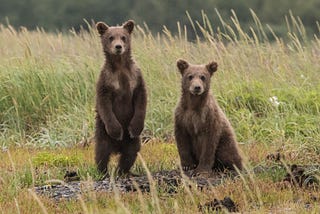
column 188, row 167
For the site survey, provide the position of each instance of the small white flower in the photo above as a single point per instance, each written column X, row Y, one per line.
column 274, row 101
column 4, row 148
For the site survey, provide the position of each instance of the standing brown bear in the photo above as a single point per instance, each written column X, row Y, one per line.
column 120, row 100
column 204, row 136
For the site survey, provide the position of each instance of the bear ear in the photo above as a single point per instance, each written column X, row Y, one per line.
column 102, row 27
column 212, row 67
column 182, row 65
column 129, row 25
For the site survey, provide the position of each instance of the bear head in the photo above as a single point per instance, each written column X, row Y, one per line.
column 196, row 78
column 115, row 40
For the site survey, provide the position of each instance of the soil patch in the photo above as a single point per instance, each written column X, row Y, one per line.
column 217, row 205
column 168, row 181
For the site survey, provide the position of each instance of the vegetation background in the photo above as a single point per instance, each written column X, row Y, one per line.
column 267, row 83
column 38, row 100
column 62, row 15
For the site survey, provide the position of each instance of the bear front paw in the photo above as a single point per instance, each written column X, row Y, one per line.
column 134, row 132
column 201, row 172
column 115, row 132
column 188, row 167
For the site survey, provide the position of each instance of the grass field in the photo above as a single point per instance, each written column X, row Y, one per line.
column 269, row 89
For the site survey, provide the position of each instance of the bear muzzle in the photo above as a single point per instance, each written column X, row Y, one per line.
column 196, row 89
column 118, row 49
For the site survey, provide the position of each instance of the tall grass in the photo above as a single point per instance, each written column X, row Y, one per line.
column 48, row 81
column 269, row 88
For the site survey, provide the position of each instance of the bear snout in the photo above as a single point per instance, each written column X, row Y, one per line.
column 196, row 89
column 118, row 49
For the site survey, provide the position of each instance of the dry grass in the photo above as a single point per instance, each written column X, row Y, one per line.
column 261, row 193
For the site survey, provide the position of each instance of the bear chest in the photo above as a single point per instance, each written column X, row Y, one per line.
column 195, row 122
column 122, row 82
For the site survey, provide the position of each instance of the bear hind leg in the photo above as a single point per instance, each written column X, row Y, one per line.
column 102, row 156
column 228, row 154
column 128, row 156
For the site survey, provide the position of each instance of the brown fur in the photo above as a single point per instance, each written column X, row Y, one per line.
column 120, row 100
column 204, row 136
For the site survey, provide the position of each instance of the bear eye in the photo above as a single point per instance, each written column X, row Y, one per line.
column 190, row 77
column 123, row 38
column 203, row 78
column 111, row 38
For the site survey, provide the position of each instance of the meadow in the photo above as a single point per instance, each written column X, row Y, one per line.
column 269, row 88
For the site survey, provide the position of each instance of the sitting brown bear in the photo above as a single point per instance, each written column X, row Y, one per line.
column 204, row 136
column 120, row 100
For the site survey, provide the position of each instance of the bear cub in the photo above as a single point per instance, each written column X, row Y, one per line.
column 204, row 136
column 120, row 100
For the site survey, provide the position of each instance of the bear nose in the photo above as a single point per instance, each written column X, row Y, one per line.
column 118, row 47
column 197, row 88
